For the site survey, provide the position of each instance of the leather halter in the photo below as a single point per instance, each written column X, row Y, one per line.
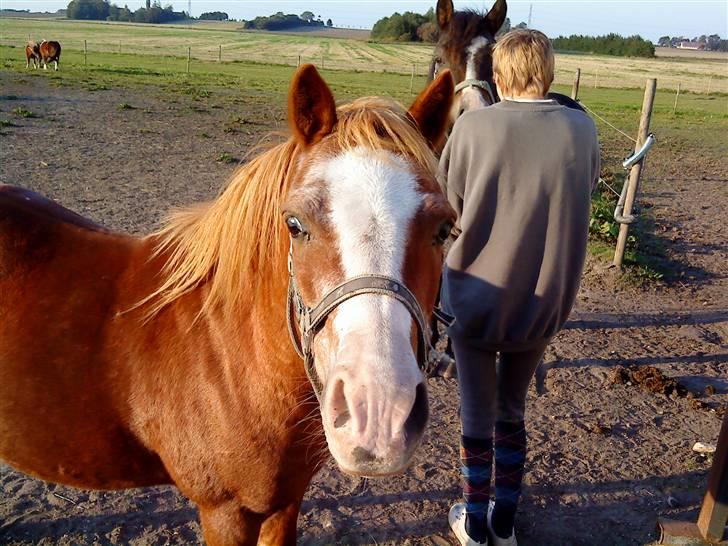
column 309, row 320
column 479, row 84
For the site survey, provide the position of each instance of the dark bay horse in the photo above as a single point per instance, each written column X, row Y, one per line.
column 134, row 361
column 50, row 52
column 465, row 47
column 32, row 54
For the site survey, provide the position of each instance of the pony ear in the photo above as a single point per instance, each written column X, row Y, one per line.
column 497, row 16
column 444, row 13
column 311, row 106
column 431, row 109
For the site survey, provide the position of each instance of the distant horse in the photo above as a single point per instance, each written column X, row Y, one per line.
column 128, row 362
column 32, row 53
column 465, row 47
column 50, row 52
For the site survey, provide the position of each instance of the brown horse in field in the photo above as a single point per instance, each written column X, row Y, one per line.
column 128, row 362
column 49, row 52
column 32, row 53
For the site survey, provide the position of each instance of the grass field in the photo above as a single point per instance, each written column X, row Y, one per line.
column 694, row 73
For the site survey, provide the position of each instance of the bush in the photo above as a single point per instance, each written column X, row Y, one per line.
column 281, row 21
column 611, row 44
column 405, row 27
column 214, row 16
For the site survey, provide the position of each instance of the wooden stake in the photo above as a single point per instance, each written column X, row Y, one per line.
column 710, row 81
column 677, row 96
column 299, row 61
column 322, row 61
column 636, row 171
column 714, row 511
column 575, row 87
column 219, row 53
column 596, row 78
column 710, row 527
column 189, row 57
column 412, row 79
column 85, row 51
column 120, row 46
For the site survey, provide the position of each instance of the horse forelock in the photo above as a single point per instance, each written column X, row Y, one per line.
column 236, row 245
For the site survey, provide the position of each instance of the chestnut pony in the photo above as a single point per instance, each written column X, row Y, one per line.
column 128, row 362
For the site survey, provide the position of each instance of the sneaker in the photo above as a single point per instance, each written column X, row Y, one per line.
column 495, row 539
column 457, row 524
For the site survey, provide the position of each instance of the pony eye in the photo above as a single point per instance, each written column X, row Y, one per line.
column 444, row 233
column 294, row 226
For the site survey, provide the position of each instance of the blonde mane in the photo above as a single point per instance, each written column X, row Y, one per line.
column 236, row 245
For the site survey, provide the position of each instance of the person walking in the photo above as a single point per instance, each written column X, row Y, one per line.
column 520, row 175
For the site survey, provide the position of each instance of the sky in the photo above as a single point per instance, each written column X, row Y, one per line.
column 649, row 18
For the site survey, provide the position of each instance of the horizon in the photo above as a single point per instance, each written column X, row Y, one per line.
column 646, row 18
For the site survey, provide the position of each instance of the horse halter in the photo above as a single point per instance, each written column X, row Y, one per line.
column 309, row 320
column 477, row 84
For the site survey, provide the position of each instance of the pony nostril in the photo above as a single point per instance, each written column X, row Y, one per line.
column 362, row 456
column 417, row 419
column 339, row 405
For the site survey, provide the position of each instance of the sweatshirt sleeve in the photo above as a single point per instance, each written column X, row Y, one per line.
column 596, row 162
column 450, row 174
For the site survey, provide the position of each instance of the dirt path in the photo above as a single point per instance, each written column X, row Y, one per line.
column 605, row 457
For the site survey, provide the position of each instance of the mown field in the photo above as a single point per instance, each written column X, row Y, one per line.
column 695, row 73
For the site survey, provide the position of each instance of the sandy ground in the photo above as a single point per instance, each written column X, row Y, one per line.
column 605, row 457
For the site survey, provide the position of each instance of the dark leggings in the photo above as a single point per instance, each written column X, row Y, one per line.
column 493, row 386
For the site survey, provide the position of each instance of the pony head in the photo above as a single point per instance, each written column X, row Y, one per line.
column 364, row 200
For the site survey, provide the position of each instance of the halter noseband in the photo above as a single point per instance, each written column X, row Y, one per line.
column 309, row 320
column 478, row 84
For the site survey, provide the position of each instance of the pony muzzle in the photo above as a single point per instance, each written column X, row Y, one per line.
column 374, row 425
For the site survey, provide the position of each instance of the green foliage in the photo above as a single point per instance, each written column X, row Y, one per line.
column 23, row 113
column 88, row 9
column 103, row 10
column 405, row 27
column 125, row 106
column 213, row 16
column 282, row 21
column 225, row 157
column 611, row 44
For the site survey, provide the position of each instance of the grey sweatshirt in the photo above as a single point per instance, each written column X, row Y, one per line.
column 520, row 177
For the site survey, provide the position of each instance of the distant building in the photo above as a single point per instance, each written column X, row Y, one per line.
column 691, row 45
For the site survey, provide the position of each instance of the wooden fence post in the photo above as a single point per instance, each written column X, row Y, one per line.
column 710, row 81
column 322, row 61
column 120, row 47
column 85, row 52
column 634, row 174
column 189, row 56
column 219, row 53
column 412, row 79
column 596, row 78
column 714, row 510
column 575, row 87
column 677, row 96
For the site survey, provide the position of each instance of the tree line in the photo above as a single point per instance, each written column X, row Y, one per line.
column 103, row 10
column 284, row 21
column 611, row 44
column 711, row 43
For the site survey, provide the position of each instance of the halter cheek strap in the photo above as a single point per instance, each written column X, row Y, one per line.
column 304, row 322
column 479, row 84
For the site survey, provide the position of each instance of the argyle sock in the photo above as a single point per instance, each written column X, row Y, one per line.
column 476, row 456
column 510, row 456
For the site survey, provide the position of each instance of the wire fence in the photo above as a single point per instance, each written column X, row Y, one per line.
column 691, row 75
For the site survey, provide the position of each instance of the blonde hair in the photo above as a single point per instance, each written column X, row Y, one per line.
column 523, row 60
column 237, row 244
